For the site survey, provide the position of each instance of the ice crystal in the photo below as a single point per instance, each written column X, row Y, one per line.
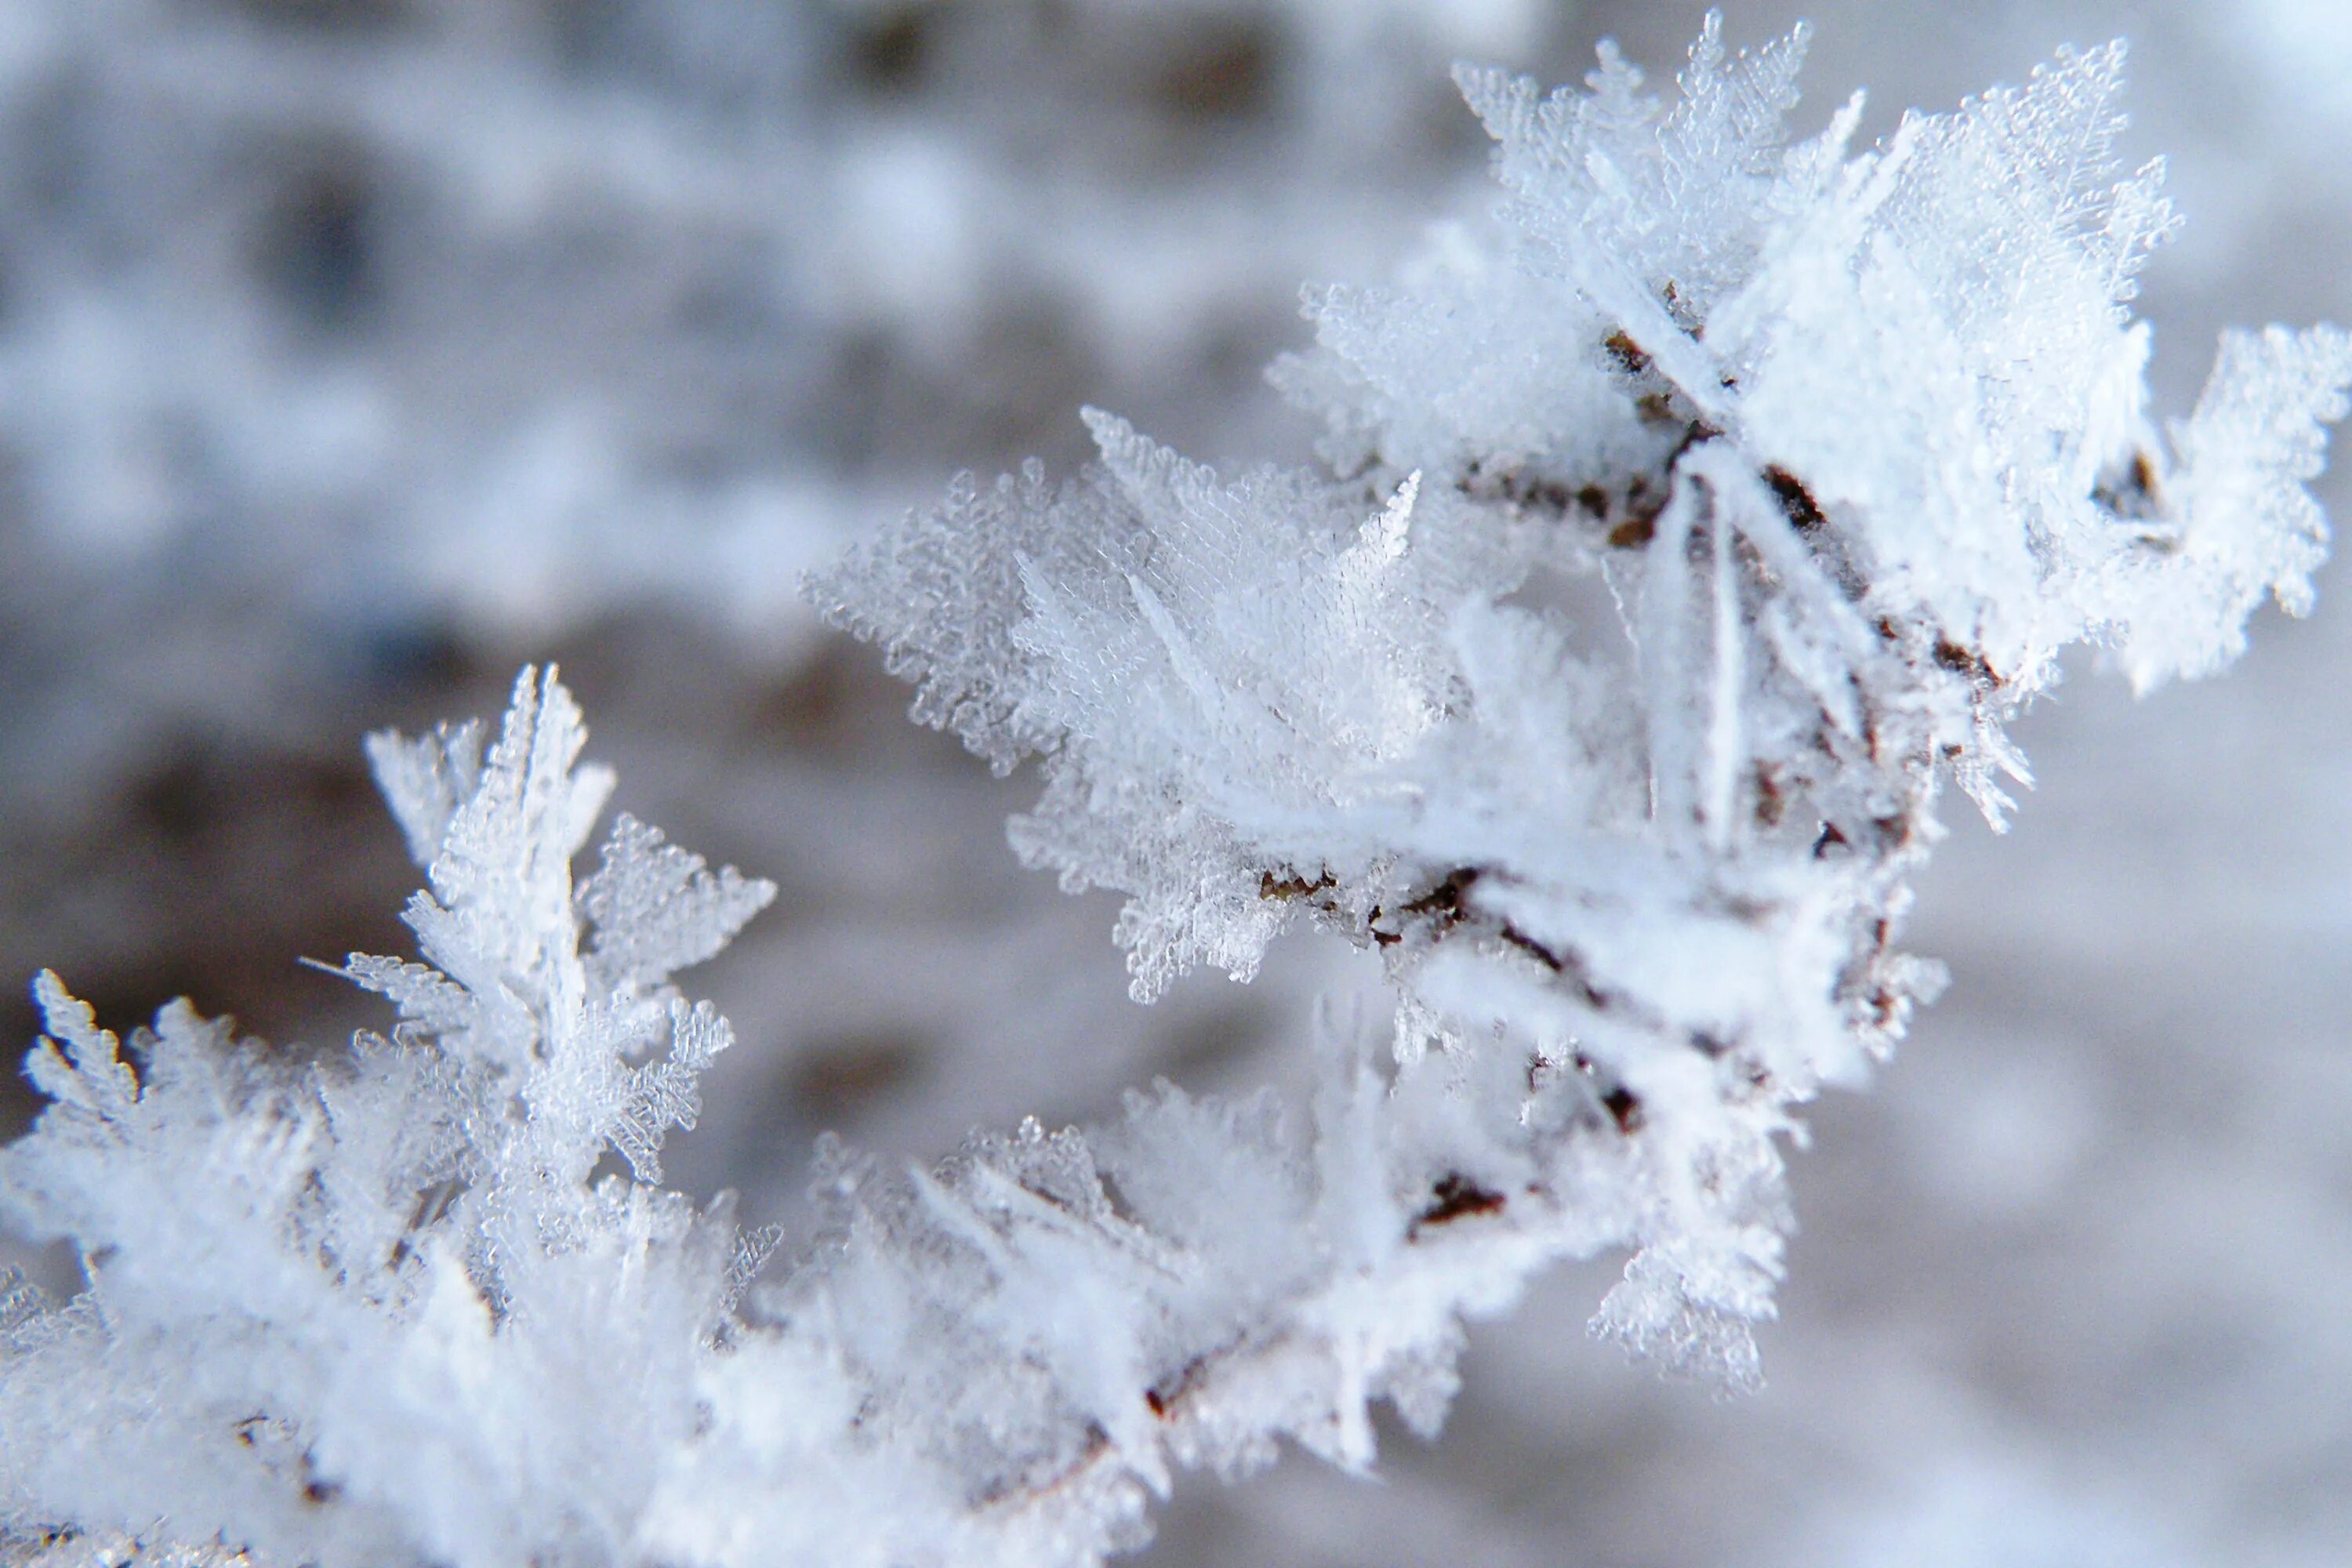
column 375, row 1307
column 384, row 1308
column 1681, row 535
column 1683, row 532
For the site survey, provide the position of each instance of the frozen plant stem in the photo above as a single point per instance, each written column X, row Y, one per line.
column 1839, row 449
column 1854, row 445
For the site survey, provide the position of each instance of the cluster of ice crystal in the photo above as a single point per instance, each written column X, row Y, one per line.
column 1682, row 533
column 374, row 1308
column 389, row 1306
column 1835, row 452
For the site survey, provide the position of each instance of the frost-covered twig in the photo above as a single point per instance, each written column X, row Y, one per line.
column 1682, row 534
column 384, row 1308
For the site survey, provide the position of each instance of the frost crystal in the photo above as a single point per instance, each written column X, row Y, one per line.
column 1682, row 534
column 382, row 1307
column 375, row 1309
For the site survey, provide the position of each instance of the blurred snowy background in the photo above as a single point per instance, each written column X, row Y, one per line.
column 352, row 352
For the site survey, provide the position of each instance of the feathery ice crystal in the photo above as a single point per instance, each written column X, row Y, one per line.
column 1681, row 534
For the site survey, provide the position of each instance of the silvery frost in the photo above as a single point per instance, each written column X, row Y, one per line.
column 1680, row 533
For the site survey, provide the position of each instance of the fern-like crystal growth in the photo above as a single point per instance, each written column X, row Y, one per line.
column 375, row 1309
column 1682, row 534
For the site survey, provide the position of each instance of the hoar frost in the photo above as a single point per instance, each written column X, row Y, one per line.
column 1681, row 533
